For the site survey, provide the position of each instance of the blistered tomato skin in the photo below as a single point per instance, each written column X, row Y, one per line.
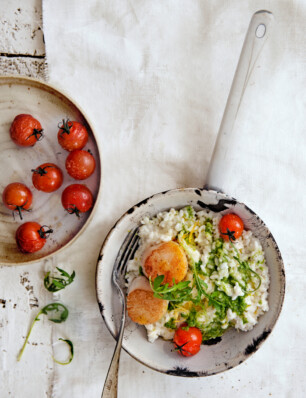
column 231, row 227
column 72, row 135
column 77, row 198
column 187, row 340
column 17, row 197
column 31, row 237
column 80, row 164
column 26, row 130
column 48, row 177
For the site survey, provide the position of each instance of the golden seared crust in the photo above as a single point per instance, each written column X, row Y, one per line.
column 144, row 308
column 167, row 259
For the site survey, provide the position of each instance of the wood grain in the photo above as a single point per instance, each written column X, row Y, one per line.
column 24, row 66
column 22, row 48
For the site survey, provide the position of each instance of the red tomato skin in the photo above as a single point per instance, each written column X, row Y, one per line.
column 80, row 164
column 189, row 340
column 77, row 196
column 49, row 180
column 16, row 195
column 28, row 238
column 232, row 222
column 76, row 138
column 22, row 130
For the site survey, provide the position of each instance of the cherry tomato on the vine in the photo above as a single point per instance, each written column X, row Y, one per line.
column 48, row 177
column 80, row 164
column 72, row 135
column 187, row 340
column 76, row 199
column 31, row 236
column 17, row 197
column 26, row 130
column 231, row 227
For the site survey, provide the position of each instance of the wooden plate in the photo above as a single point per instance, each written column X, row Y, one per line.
column 49, row 106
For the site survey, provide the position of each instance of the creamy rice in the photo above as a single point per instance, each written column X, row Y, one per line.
column 246, row 292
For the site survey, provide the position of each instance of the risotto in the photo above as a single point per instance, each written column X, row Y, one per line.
column 226, row 281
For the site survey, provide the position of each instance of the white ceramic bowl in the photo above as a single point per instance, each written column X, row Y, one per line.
column 234, row 347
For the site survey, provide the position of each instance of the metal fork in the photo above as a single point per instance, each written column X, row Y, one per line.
column 126, row 253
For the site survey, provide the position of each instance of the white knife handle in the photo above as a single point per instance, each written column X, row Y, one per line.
column 256, row 37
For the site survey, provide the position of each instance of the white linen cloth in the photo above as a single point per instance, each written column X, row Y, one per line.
column 153, row 77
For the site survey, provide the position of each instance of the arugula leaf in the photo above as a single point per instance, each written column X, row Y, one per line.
column 198, row 267
column 56, row 307
column 71, row 353
column 178, row 292
column 55, row 283
column 53, row 307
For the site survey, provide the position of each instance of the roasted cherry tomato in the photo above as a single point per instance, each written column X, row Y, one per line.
column 48, row 177
column 76, row 199
column 31, row 236
column 187, row 340
column 25, row 130
column 231, row 227
column 80, row 164
column 72, row 135
column 17, row 197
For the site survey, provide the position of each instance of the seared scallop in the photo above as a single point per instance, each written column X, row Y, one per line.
column 167, row 259
column 142, row 306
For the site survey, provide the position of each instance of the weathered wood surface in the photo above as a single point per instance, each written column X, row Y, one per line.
column 22, row 49
column 22, row 52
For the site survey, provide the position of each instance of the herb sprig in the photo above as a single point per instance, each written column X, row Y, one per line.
column 243, row 265
column 71, row 353
column 59, row 309
column 178, row 292
column 56, row 283
column 200, row 285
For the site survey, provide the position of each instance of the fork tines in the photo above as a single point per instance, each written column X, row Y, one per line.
column 127, row 251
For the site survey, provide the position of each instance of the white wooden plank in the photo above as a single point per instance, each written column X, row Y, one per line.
column 25, row 66
column 21, row 27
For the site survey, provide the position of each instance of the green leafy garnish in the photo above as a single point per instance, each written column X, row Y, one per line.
column 238, row 305
column 62, row 314
column 208, row 226
column 213, row 330
column 215, row 299
column 192, row 317
column 215, row 256
column 170, row 324
column 178, row 292
column 198, row 267
column 56, row 283
column 71, row 353
column 140, row 271
column 245, row 269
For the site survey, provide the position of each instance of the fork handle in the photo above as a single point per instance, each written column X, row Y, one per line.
column 110, row 389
